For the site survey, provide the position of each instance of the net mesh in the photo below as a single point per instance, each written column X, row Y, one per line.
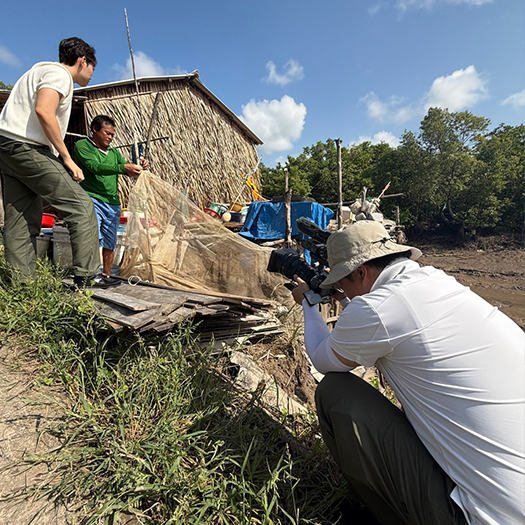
column 170, row 241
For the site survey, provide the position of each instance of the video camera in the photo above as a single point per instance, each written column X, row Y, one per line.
column 288, row 262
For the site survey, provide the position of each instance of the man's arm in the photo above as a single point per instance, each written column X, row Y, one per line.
column 87, row 157
column 317, row 337
column 47, row 101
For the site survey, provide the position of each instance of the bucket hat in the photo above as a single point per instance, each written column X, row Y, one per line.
column 358, row 243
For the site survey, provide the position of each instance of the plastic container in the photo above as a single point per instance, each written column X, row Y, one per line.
column 212, row 213
column 43, row 245
column 236, row 207
column 48, row 220
column 62, row 253
column 218, row 208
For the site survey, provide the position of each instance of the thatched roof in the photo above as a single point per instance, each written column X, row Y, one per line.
column 4, row 95
column 196, row 142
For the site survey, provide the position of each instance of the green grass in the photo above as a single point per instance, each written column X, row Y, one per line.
column 155, row 429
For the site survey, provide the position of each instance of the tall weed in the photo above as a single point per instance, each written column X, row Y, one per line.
column 153, row 430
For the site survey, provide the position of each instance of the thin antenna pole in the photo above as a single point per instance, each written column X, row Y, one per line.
column 339, row 185
column 134, row 75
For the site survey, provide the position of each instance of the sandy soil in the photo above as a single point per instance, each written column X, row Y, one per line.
column 28, row 409
column 495, row 270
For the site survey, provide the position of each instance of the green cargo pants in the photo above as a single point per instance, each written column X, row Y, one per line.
column 32, row 173
column 387, row 466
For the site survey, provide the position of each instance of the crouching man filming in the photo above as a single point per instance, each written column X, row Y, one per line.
column 455, row 454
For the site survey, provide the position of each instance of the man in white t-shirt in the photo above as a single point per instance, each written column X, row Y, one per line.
column 455, row 454
column 33, row 124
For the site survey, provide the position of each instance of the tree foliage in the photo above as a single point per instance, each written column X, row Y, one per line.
column 453, row 170
column 5, row 86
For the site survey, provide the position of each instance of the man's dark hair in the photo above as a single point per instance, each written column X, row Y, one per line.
column 98, row 122
column 71, row 49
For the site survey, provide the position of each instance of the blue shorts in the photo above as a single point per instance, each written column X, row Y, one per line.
column 108, row 216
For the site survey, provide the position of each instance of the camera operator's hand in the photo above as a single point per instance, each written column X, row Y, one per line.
column 299, row 290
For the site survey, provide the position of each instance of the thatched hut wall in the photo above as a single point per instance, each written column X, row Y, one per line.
column 196, row 144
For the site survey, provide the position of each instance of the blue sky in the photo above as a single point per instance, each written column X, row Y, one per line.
column 300, row 71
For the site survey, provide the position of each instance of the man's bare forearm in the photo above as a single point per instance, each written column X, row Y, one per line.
column 46, row 105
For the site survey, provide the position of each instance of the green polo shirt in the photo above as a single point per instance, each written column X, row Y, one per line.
column 101, row 170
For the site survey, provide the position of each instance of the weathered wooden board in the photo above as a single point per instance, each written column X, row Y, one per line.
column 123, row 316
column 128, row 301
column 164, row 295
column 176, row 317
column 157, row 308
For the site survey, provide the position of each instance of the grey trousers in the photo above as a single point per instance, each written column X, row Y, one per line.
column 30, row 174
column 387, row 466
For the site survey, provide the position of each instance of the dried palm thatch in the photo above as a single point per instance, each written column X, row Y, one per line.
column 196, row 143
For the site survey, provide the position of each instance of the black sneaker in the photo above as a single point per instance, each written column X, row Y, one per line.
column 95, row 281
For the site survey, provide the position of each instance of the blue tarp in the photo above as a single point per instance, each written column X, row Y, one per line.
column 265, row 220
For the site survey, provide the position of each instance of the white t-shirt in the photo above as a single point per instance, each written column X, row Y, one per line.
column 457, row 365
column 18, row 120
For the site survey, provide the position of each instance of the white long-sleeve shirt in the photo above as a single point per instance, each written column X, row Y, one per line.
column 457, row 365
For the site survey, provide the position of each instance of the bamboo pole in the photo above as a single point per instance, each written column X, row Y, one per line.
column 287, row 210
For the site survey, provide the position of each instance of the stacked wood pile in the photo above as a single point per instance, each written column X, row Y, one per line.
column 196, row 143
column 148, row 307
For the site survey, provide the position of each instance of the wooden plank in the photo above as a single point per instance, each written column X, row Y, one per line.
column 165, row 295
column 205, row 293
column 180, row 315
column 121, row 315
column 117, row 327
column 204, row 310
column 131, row 303
column 171, row 307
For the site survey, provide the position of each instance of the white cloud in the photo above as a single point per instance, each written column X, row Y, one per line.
column 277, row 122
column 292, row 71
column 462, row 89
column 6, row 57
column 405, row 5
column 145, row 66
column 390, row 111
column 378, row 138
column 517, row 100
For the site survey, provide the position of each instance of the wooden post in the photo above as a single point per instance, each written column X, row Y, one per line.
column 339, row 185
column 287, row 211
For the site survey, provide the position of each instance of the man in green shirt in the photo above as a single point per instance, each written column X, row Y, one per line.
column 101, row 165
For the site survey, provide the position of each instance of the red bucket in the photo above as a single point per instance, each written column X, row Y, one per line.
column 48, row 220
column 212, row 213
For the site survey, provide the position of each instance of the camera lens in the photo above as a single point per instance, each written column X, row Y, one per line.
column 288, row 263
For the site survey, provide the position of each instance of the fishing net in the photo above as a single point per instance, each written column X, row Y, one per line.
column 168, row 240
